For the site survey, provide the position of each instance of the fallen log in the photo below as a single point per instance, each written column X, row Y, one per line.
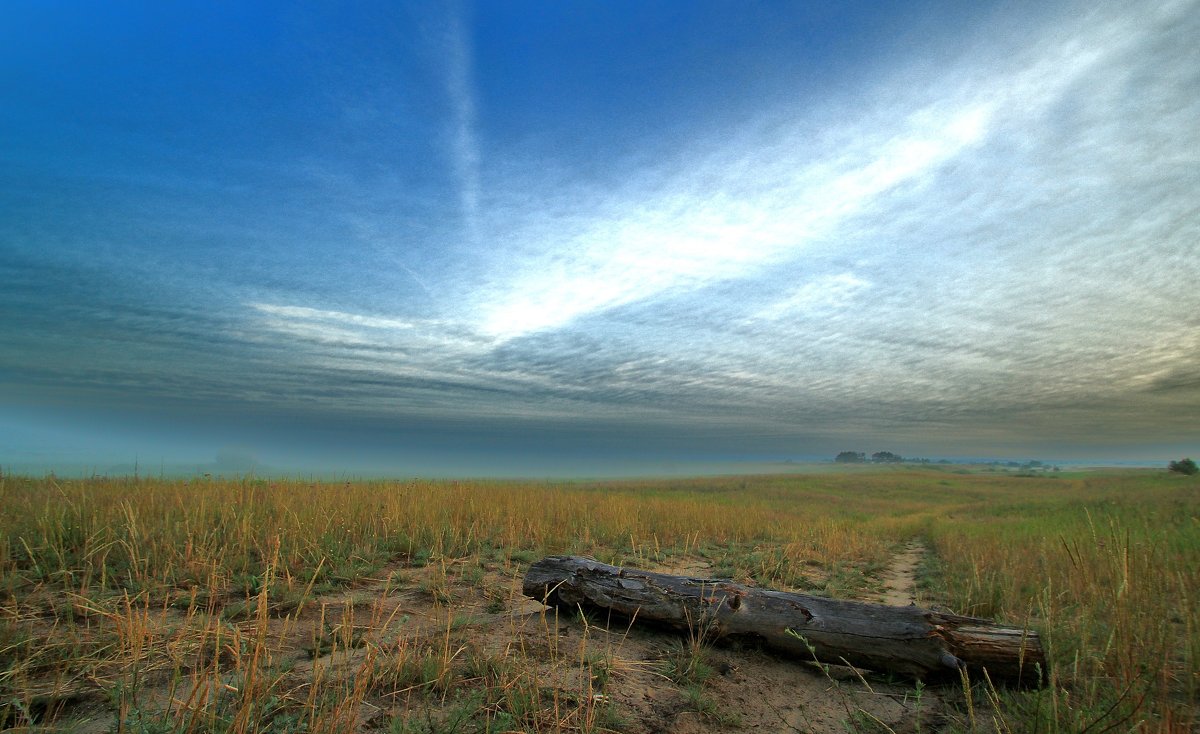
column 911, row 641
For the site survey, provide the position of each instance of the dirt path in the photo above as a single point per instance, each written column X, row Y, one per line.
column 900, row 579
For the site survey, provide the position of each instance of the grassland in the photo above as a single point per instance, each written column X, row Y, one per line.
column 148, row 605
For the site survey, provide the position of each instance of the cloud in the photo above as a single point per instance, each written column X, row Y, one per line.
column 993, row 248
column 978, row 253
column 730, row 216
column 745, row 203
column 824, row 293
column 463, row 137
column 314, row 315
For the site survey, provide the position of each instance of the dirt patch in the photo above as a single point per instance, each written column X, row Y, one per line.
column 682, row 566
column 900, row 578
column 453, row 637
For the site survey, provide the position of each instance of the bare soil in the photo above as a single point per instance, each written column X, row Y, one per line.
column 899, row 581
column 747, row 689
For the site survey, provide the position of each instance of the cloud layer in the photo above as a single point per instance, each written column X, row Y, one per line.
column 991, row 253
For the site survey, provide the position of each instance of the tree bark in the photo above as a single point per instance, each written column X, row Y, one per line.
column 908, row 640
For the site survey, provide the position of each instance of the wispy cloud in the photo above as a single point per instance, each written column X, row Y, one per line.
column 302, row 313
column 961, row 256
column 464, row 141
column 821, row 294
column 752, row 200
column 729, row 216
column 371, row 337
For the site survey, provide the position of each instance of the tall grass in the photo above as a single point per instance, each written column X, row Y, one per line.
column 165, row 536
column 1108, row 568
column 198, row 586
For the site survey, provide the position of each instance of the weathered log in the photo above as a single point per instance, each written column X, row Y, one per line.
column 908, row 640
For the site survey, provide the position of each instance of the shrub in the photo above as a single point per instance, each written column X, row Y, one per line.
column 1184, row 466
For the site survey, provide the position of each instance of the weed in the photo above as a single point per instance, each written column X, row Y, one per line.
column 700, row 701
column 496, row 604
column 686, row 664
column 523, row 557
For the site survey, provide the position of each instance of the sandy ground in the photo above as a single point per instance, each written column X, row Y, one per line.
column 751, row 689
column 899, row 581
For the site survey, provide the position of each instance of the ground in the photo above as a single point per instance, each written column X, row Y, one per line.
column 449, row 622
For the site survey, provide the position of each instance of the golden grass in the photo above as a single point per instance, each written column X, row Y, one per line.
column 183, row 601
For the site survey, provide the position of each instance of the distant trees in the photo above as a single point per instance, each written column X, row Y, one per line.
column 1184, row 466
column 879, row 457
column 1029, row 468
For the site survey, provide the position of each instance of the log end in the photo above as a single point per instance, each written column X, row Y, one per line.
column 1006, row 654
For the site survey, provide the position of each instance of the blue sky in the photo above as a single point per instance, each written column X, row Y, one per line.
column 450, row 238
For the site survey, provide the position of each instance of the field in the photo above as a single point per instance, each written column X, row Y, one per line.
column 151, row 605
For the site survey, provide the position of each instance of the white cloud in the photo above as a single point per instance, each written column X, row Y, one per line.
column 691, row 233
column 426, row 339
column 755, row 200
column 821, row 294
column 303, row 313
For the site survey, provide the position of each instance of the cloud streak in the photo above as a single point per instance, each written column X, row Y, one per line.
column 464, row 141
column 691, row 234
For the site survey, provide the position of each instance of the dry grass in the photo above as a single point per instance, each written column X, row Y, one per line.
column 253, row 605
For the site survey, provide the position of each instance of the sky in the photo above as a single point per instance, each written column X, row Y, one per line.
column 557, row 238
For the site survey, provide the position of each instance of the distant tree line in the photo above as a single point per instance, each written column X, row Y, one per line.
column 1028, row 467
column 879, row 457
column 888, row 457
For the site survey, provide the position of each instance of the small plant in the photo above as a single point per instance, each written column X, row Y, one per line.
column 437, row 588
column 686, row 664
column 864, row 722
column 599, row 669
column 407, row 671
column 918, row 696
column 523, row 557
column 473, row 575
column 496, row 604
column 336, row 637
column 701, row 702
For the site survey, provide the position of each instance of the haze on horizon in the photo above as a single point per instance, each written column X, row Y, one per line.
column 448, row 238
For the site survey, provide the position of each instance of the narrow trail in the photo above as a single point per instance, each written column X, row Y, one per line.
column 900, row 578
